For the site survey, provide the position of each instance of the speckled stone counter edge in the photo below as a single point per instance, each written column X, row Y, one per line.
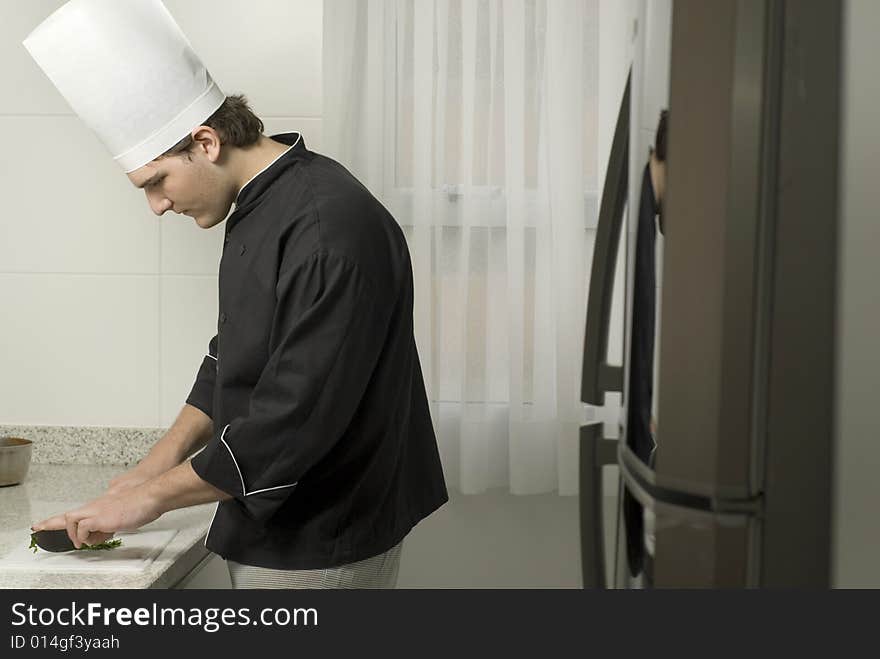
column 86, row 445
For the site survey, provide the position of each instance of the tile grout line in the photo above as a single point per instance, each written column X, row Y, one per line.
column 106, row 274
column 19, row 115
column 159, row 335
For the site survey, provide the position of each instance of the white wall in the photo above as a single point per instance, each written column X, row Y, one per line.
column 108, row 309
column 857, row 458
column 654, row 98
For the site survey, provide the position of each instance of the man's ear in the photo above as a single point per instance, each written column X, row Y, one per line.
column 207, row 140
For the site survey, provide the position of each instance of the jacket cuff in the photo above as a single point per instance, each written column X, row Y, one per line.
column 216, row 465
column 198, row 402
column 261, row 506
column 202, row 393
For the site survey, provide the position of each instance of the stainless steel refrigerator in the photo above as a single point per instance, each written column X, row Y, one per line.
column 738, row 491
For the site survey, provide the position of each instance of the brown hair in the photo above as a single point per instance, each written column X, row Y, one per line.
column 235, row 123
column 660, row 142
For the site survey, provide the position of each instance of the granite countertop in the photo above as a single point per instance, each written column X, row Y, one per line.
column 54, row 488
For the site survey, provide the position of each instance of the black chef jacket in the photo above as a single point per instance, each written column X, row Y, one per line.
column 641, row 380
column 322, row 432
column 641, row 374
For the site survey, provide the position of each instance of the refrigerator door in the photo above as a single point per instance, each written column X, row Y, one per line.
column 679, row 541
column 738, row 487
column 747, row 338
column 717, row 249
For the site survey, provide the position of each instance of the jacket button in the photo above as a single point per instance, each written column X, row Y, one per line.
column 226, row 240
column 222, row 318
column 243, row 249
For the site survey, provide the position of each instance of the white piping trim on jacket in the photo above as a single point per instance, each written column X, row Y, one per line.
column 211, row 356
column 240, row 477
column 298, row 138
column 216, row 508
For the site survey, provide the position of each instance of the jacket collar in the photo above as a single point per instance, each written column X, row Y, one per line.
column 251, row 192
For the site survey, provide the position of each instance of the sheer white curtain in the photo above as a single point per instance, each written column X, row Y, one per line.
column 474, row 122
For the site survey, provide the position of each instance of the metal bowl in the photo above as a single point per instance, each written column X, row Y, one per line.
column 15, row 458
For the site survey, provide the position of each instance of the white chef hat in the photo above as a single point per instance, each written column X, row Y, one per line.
column 129, row 72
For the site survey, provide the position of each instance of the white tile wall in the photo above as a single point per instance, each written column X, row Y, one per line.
column 108, row 309
column 658, row 41
column 187, row 249
column 79, row 349
column 34, row 94
column 188, row 312
column 266, row 49
column 67, row 207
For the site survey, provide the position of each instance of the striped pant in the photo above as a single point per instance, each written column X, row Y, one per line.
column 374, row 572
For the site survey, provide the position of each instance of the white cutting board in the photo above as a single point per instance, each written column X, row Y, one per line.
column 137, row 551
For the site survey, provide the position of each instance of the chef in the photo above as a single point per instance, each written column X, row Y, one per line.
column 309, row 407
column 641, row 425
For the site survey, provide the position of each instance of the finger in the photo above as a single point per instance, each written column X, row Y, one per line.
column 50, row 523
column 71, row 529
column 97, row 537
column 88, row 535
column 84, row 530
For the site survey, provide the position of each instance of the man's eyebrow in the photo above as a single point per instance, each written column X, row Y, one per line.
column 150, row 180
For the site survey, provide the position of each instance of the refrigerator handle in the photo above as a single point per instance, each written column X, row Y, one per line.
column 595, row 453
column 598, row 376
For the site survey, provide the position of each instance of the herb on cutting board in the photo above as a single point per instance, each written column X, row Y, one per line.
column 107, row 544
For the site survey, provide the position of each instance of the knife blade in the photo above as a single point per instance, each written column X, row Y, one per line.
column 55, row 540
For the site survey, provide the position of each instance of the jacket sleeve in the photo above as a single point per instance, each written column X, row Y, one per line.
column 327, row 333
column 202, row 393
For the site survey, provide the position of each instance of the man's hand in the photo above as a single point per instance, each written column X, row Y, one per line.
column 98, row 520
column 132, row 508
column 135, row 476
column 191, row 430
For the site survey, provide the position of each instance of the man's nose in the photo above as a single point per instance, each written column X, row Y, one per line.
column 159, row 205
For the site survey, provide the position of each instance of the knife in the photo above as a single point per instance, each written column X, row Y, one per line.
column 52, row 540
column 56, row 540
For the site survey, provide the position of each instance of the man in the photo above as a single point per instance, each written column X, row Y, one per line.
column 310, row 403
column 657, row 166
column 641, row 426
